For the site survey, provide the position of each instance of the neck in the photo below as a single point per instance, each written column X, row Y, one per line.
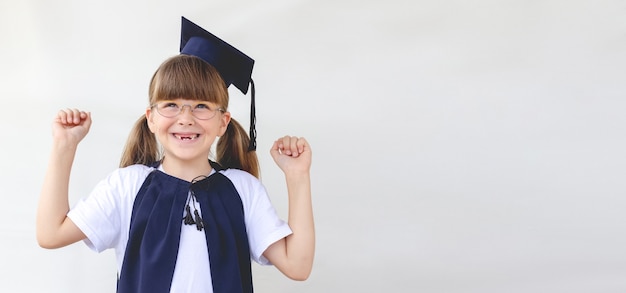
column 186, row 170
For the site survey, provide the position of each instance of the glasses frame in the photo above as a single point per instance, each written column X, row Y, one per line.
column 182, row 107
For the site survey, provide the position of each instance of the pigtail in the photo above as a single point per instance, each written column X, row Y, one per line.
column 232, row 150
column 141, row 146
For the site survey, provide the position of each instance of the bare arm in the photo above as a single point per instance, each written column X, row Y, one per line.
column 54, row 228
column 293, row 255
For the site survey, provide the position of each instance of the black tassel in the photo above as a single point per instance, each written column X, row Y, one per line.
column 188, row 219
column 252, row 145
column 199, row 224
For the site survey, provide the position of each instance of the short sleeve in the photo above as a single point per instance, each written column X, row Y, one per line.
column 104, row 215
column 263, row 225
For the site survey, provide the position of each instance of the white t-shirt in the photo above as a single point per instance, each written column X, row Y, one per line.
column 104, row 217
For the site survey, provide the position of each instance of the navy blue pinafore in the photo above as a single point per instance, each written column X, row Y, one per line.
column 155, row 228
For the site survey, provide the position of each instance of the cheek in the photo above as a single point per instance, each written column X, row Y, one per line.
column 158, row 126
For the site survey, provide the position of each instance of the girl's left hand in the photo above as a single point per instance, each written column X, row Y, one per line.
column 292, row 154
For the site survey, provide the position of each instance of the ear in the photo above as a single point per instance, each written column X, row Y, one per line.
column 224, row 120
column 150, row 119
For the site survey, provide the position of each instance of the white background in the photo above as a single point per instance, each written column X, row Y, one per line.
column 459, row 146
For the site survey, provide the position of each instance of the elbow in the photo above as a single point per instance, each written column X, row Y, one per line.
column 57, row 236
column 301, row 274
column 47, row 242
column 300, row 278
column 300, row 270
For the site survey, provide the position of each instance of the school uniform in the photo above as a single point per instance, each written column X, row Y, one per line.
column 105, row 218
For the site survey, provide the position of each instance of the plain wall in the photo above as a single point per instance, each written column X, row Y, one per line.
column 459, row 146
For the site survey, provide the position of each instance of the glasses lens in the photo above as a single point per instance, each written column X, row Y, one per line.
column 168, row 109
column 171, row 109
column 203, row 112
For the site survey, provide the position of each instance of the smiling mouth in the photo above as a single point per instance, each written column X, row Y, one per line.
column 186, row 136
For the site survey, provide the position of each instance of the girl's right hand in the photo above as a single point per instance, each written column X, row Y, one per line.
column 71, row 125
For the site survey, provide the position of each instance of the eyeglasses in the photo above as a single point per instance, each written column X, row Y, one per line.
column 171, row 109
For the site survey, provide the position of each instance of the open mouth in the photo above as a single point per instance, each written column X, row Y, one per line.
column 186, row 136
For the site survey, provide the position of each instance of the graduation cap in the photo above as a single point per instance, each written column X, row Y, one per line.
column 234, row 66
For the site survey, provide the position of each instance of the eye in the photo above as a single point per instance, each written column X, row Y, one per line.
column 203, row 106
column 169, row 105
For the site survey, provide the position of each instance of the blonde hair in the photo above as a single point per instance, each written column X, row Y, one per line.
column 189, row 77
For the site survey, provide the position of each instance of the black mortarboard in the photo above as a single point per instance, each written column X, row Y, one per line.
column 234, row 66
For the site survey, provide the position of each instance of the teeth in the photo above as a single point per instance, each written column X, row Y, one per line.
column 186, row 137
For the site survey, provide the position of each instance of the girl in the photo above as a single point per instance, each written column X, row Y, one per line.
column 179, row 222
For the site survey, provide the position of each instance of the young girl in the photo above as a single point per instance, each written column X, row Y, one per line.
column 179, row 222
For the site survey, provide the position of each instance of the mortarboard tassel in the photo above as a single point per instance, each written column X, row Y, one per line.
column 252, row 145
column 188, row 219
column 199, row 224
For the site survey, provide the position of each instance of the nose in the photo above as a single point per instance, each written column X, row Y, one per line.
column 185, row 118
column 182, row 108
